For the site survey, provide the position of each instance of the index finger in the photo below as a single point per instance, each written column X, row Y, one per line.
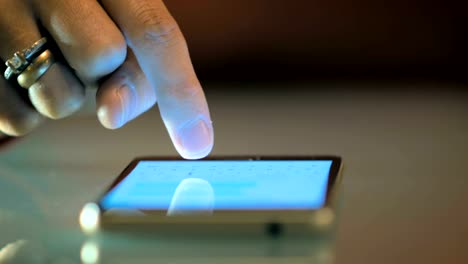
column 160, row 48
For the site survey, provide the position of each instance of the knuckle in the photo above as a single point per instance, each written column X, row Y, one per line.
column 54, row 103
column 156, row 25
column 59, row 110
column 101, row 58
column 54, row 111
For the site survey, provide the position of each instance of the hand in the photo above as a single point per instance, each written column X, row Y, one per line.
column 135, row 44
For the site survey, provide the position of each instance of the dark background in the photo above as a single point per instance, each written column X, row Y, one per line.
column 303, row 40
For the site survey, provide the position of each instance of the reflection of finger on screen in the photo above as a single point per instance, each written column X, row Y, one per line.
column 192, row 196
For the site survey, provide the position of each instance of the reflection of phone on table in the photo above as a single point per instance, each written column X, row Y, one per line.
column 233, row 195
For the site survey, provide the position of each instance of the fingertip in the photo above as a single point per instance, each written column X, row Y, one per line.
column 194, row 139
column 106, row 119
column 20, row 126
column 194, row 155
column 115, row 104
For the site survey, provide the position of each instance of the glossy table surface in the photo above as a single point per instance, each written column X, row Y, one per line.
column 405, row 187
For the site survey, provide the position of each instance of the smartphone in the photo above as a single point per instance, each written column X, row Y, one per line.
column 266, row 195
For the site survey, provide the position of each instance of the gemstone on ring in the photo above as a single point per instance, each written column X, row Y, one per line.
column 8, row 73
column 21, row 59
column 17, row 62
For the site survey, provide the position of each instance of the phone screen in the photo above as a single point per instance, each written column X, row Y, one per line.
column 222, row 185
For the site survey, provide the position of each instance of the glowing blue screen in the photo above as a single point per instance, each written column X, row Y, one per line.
column 222, row 185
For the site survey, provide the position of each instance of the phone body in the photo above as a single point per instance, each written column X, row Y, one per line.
column 234, row 196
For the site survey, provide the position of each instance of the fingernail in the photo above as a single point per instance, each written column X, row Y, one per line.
column 196, row 139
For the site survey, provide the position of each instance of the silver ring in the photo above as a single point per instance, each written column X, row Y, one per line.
column 21, row 59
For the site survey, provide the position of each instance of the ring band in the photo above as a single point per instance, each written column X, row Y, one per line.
column 21, row 59
column 36, row 69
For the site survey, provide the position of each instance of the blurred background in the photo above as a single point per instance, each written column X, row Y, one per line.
column 303, row 40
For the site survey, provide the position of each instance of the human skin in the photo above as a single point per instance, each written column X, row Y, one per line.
column 135, row 45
